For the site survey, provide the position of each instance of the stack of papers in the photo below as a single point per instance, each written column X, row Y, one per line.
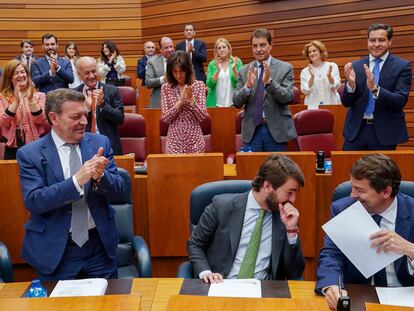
column 350, row 231
column 85, row 287
column 396, row 296
column 245, row 288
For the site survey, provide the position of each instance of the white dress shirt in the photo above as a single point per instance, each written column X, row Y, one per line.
column 261, row 271
column 389, row 217
column 64, row 153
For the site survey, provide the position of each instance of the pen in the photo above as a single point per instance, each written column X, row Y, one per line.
column 339, row 285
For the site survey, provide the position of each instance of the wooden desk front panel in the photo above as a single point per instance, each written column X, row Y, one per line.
column 13, row 215
column 342, row 162
column 223, row 127
column 171, row 178
column 247, row 166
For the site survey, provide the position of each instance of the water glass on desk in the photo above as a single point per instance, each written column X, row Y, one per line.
column 36, row 290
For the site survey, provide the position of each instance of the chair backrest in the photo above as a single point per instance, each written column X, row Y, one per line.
column 128, row 80
column 238, row 138
column 315, row 131
column 296, row 96
column 133, row 136
column 6, row 268
column 128, row 97
column 344, row 189
column 202, row 195
column 205, row 128
column 125, row 227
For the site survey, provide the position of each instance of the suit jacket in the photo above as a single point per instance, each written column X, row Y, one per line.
column 155, row 70
column 389, row 117
column 332, row 262
column 108, row 117
column 278, row 95
column 214, row 241
column 141, row 67
column 199, row 56
column 48, row 197
column 42, row 79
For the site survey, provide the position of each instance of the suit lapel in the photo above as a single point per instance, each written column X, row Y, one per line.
column 51, row 157
column 236, row 222
column 278, row 237
column 386, row 68
column 402, row 226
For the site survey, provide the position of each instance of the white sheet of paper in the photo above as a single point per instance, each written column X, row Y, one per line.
column 350, row 231
column 247, row 288
column 396, row 296
column 84, row 287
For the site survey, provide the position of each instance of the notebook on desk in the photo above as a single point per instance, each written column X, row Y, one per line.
column 270, row 289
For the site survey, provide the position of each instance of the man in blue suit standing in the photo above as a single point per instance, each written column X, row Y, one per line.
column 375, row 183
column 51, row 72
column 376, row 92
column 196, row 49
column 67, row 178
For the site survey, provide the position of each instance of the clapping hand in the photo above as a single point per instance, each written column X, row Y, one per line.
column 53, row 63
column 350, row 75
column 329, row 75
column 370, row 78
column 251, row 76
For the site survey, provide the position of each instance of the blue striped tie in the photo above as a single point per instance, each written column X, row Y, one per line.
column 79, row 221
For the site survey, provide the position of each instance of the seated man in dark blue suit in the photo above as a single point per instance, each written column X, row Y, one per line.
column 375, row 183
column 67, row 179
column 376, row 93
column 51, row 72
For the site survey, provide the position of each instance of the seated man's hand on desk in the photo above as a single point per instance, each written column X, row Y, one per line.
column 332, row 295
column 210, row 277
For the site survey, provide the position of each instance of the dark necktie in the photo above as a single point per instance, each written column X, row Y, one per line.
column 258, row 99
column 380, row 278
column 79, row 221
column 249, row 260
column 28, row 63
column 93, row 111
column 371, row 101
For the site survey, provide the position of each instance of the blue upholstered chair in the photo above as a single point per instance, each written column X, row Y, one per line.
column 133, row 256
column 201, row 197
column 6, row 268
column 344, row 189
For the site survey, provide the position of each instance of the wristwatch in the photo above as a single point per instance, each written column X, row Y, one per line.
column 295, row 230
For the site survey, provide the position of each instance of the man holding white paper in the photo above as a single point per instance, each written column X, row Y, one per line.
column 375, row 183
column 252, row 234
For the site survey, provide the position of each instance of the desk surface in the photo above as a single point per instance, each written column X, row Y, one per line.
column 155, row 294
column 111, row 302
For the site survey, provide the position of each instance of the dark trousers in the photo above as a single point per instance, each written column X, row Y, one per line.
column 88, row 261
column 263, row 141
column 366, row 140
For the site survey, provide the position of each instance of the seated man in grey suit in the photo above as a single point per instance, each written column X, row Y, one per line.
column 156, row 68
column 253, row 234
column 265, row 89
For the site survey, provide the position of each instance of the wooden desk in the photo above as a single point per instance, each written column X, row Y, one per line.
column 204, row 303
column 109, row 303
column 171, row 178
column 156, row 292
column 378, row 307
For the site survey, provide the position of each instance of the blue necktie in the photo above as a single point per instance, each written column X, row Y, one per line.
column 258, row 99
column 79, row 220
column 371, row 101
column 380, row 278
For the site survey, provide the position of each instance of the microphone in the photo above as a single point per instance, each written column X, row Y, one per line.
column 344, row 302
